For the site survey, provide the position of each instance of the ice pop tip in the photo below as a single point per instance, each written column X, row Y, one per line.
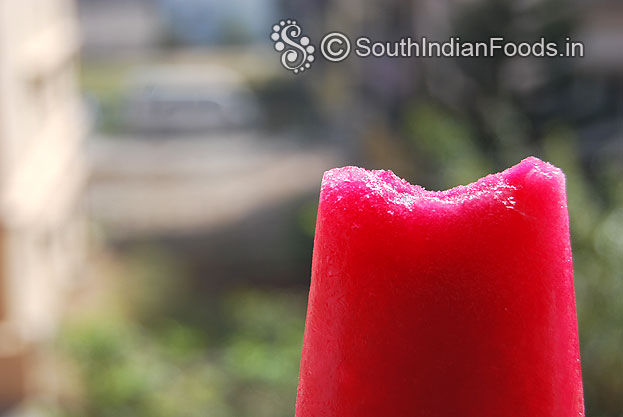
column 529, row 171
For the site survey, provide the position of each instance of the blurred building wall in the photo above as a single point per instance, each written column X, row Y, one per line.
column 41, row 175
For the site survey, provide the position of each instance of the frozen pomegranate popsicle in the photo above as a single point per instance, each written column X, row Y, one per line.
column 456, row 303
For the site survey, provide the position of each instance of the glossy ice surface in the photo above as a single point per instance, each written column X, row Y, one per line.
column 452, row 303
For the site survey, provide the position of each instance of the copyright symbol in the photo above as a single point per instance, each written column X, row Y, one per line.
column 335, row 47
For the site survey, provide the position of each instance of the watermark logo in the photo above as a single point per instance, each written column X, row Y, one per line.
column 297, row 54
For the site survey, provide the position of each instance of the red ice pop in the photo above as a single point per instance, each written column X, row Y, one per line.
column 457, row 303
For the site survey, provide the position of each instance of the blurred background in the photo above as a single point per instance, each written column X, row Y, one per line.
column 159, row 177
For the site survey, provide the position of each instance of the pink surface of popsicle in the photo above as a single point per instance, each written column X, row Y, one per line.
column 452, row 303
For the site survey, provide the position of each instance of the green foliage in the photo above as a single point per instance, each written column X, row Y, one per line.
column 449, row 142
column 170, row 368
